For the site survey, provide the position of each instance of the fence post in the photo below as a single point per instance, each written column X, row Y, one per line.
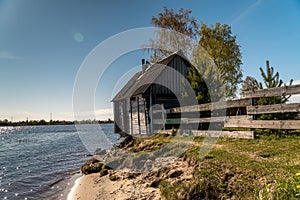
column 253, row 103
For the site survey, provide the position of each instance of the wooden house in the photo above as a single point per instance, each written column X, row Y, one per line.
column 157, row 87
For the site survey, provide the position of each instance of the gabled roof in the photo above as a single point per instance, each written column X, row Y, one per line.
column 140, row 82
column 126, row 91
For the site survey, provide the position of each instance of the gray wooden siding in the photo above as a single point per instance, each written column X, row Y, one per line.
column 122, row 116
column 170, row 81
column 139, row 116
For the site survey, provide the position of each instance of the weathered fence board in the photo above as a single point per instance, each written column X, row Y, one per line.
column 271, row 92
column 213, row 106
column 229, row 134
column 199, row 120
column 276, row 108
column 269, row 124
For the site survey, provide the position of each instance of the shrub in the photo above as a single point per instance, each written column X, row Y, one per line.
column 113, row 178
column 92, row 166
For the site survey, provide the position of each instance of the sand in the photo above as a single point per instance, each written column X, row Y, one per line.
column 94, row 187
column 91, row 187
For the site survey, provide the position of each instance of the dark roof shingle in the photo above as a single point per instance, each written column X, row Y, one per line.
column 140, row 82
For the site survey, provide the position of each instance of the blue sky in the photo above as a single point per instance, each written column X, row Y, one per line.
column 43, row 44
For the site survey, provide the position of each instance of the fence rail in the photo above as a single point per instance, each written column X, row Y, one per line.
column 272, row 92
column 201, row 120
column 213, row 106
column 263, row 124
column 276, row 108
column 243, row 113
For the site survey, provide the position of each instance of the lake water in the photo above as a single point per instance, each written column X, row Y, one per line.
column 37, row 162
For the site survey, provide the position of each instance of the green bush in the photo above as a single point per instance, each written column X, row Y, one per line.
column 103, row 172
column 113, row 178
column 92, row 166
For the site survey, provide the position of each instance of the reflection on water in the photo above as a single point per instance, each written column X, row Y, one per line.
column 37, row 161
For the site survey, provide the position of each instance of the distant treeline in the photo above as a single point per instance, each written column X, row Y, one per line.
column 5, row 122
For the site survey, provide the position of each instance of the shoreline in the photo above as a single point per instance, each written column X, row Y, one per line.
column 226, row 172
column 63, row 123
column 72, row 190
column 71, row 184
column 92, row 186
column 83, row 188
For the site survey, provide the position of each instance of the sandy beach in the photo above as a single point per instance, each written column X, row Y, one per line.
column 94, row 187
column 91, row 187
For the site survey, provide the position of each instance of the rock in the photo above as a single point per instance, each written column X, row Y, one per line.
column 127, row 142
column 155, row 183
column 100, row 152
column 175, row 174
column 103, row 172
column 132, row 175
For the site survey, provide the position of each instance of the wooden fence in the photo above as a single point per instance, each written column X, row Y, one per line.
column 241, row 113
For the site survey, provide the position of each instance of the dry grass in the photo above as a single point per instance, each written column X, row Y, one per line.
column 241, row 169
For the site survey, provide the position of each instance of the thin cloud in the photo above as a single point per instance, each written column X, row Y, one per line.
column 104, row 114
column 7, row 55
column 22, row 116
column 245, row 12
column 101, row 114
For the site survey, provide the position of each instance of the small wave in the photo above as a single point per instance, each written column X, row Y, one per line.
column 37, row 162
column 72, row 173
column 56, row 182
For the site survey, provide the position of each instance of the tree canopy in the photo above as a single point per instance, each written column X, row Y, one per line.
column 176, row 32
column 207, row 47
column 223, row 49
column 249, row 84
column 270, row 80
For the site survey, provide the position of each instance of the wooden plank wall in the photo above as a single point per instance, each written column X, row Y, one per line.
column 138, row 116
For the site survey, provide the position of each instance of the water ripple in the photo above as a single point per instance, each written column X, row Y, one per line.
column 36, row 161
